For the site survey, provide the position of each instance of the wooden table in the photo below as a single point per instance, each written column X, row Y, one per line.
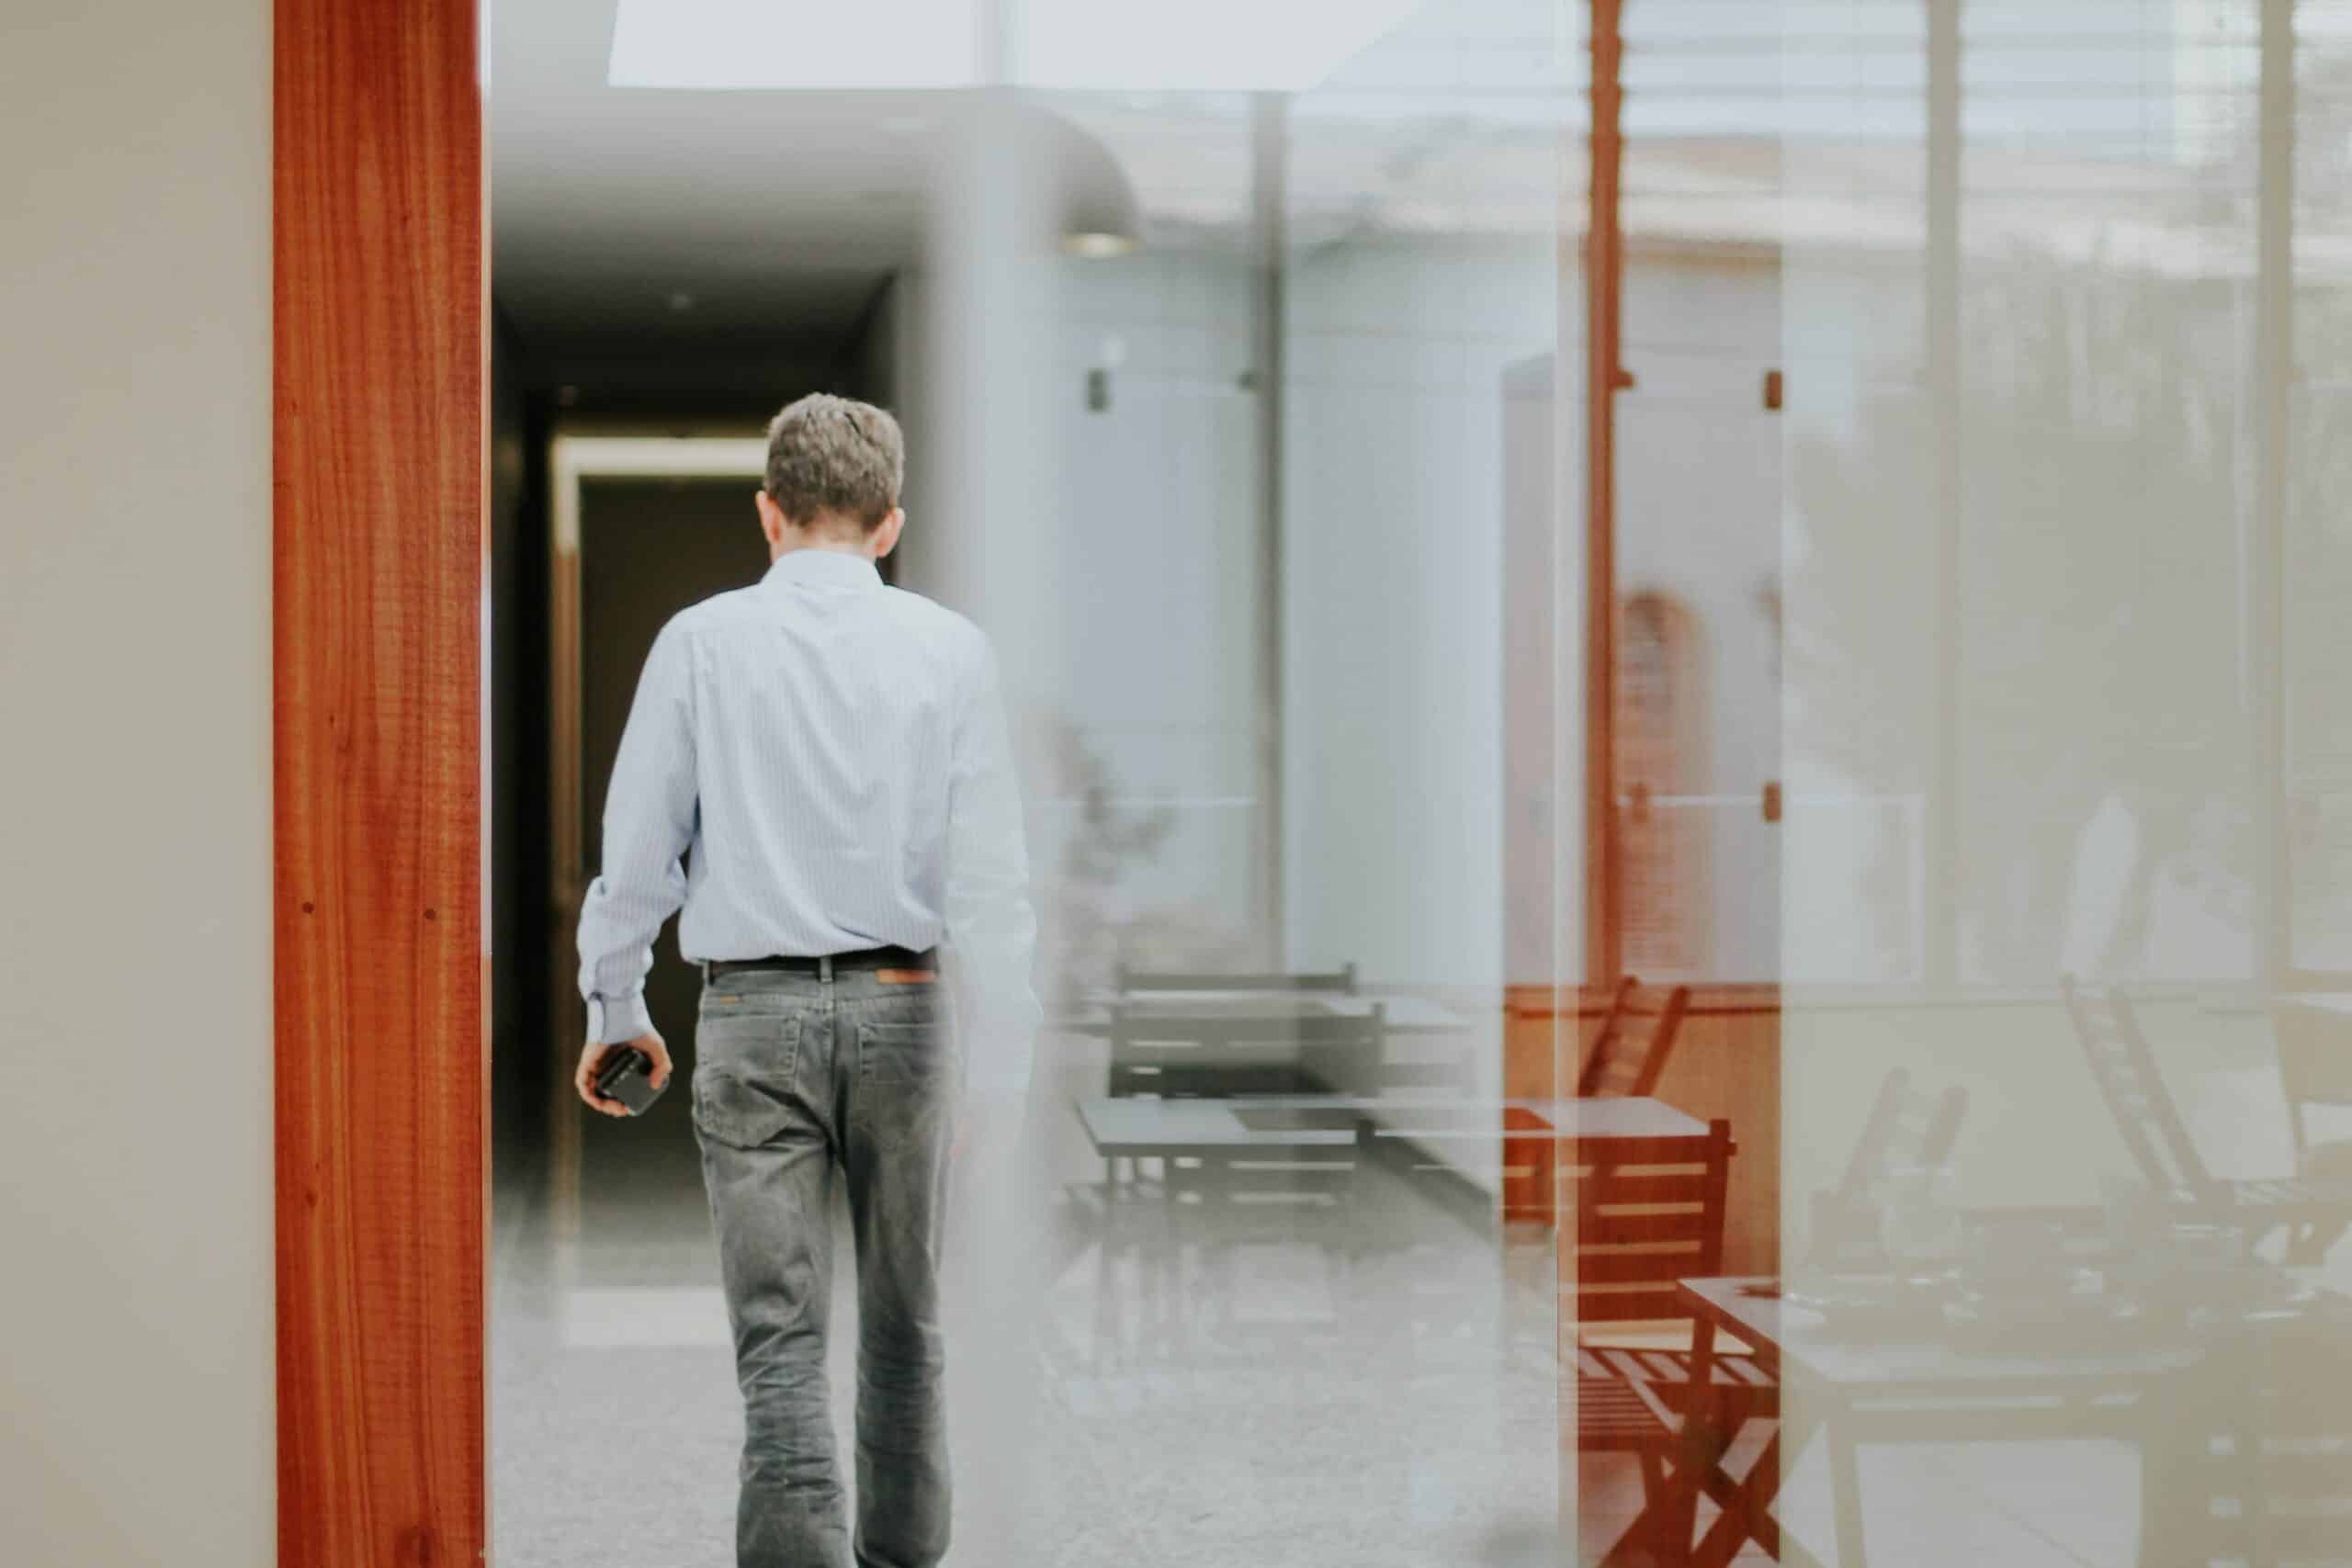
column 1852, row 1389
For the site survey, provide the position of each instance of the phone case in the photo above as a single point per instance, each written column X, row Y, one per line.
column 627, row 1077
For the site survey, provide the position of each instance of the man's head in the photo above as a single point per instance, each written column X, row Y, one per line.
column 834, row 469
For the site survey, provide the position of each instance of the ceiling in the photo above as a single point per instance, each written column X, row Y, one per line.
column 646, row 229
column 670, row 242
column 657, row 239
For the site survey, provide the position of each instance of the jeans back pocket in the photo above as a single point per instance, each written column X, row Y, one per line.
column 743, row 1077
column 909, row 1044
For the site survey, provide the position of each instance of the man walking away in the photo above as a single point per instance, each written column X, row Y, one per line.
column 833, row 752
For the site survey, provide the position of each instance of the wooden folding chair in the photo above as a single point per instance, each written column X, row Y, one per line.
column 1649, row 1212
column 2314, row 1211
column 1907, row 1130
column 1628, row 1053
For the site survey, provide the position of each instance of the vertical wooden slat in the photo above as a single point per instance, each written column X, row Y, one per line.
column 1604, row 957
column 1604, row 260
column 381, row 1083
column 567, row 838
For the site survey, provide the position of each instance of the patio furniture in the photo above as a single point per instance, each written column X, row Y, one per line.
column 1222, row 1054
column 2314, row 1211
column 1130, row 980
column 1907, row 1130
column 1408, row 1012
column 2257, row 1464
column 1231, row 1174
column 1852, row 1386
column 1650, row 1211
column 1629, row 1052
column 2315, row 1069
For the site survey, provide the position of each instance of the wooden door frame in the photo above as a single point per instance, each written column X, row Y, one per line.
column 379, row 358
column 574, row 457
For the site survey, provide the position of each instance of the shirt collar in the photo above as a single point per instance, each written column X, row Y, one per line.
column 824, row 569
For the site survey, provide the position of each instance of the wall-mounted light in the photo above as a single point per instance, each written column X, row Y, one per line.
column 1109, row 358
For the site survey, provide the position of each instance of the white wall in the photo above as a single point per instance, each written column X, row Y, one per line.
column 135, row 1217
column 1392, row 598
column 1109, row 552
column 1158, row 493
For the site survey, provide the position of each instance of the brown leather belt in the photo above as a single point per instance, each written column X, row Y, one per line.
column 863, row 958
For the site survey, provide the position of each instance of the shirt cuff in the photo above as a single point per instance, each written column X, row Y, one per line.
column 612, row 1019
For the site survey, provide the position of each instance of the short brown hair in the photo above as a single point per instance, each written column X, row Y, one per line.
column 829, row 455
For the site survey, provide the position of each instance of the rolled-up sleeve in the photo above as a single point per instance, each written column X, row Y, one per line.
column 648, row 823
column 991, row 927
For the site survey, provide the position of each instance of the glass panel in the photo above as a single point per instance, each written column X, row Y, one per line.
column 1421, row 306
column 1698, row 488
column 1856, row 516
column 1151, row 834
column 2317, row 650
column 2106, row 812
column 1427, row 466
column 1950, row 546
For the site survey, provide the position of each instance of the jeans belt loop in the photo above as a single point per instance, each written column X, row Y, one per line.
column 825, row 969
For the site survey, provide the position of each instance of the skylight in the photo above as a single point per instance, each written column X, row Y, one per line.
column 723, row 44
column 1073, row 45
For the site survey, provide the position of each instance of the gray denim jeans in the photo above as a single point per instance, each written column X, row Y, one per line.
column 797, row 1079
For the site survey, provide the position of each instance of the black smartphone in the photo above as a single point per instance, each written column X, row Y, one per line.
column 627, row 1075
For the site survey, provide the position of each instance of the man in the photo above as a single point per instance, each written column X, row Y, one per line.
column 833, row 751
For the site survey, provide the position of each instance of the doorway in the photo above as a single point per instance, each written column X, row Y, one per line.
column 604, row 1284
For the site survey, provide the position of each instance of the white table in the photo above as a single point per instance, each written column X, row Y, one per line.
column 1406, row 1013
column 1133, row 1126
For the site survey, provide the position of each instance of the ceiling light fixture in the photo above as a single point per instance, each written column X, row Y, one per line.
column 1095, row 244
column 1099, row 216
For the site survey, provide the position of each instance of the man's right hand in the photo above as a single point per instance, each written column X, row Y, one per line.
column 591, row 1058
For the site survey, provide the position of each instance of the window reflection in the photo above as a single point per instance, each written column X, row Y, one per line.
column 1840, row 1058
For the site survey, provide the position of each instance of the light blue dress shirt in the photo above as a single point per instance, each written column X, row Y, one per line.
column 833, row 751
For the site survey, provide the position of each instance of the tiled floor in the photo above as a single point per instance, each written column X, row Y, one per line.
column 1304, row 1425
column 1399, row 1412
column 1311, row 1429
column 1291, row 1412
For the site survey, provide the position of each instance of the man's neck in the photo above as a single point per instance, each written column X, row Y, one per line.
column 830, row 544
